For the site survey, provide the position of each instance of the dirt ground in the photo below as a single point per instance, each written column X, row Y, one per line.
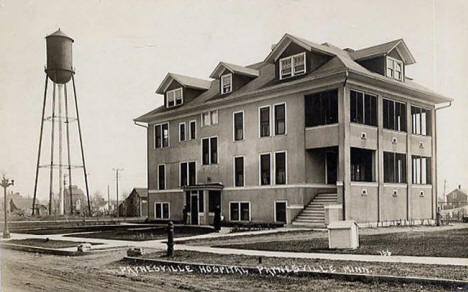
column 22, row 271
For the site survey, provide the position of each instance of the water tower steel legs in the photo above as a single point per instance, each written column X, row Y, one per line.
column 67, row 122
column 40, row 144
column 52, row 152
column 81, row 143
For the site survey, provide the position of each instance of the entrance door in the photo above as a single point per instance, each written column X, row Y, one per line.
column 280, row 212
column 332, row 166
column 194, row 208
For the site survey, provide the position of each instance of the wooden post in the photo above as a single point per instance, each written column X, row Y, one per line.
column 170, row 239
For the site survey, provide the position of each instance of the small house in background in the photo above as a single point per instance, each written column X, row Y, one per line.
column 457, row 198
column 136, row 204
column 80, row 202
column 41, row 210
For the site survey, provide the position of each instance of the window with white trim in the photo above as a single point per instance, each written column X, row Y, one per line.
column 193, row 130
column 280, row 168
column 161, row 210
column 420, row 121
column 238, row 125
column 161, row 135
column 182, row 132
column 174, row 97
column 280, row 119
column 239, row 171
column 292, row 65
column 209, row 118
column 226, row 83
column 239, row 211
column 394, row 68
column 162, row 176
column 187, row 173
column 210, row 150
column 264, row 120
column 421, row 167
column 265, row 169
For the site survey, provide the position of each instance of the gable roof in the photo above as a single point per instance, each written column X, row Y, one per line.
column 237, row 69
column 186, row 81
column 142, row 192
column 383, row 49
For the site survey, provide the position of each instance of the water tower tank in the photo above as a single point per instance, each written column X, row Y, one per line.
column 59, row 57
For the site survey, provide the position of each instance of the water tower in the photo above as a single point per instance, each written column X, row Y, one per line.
column 60, row 71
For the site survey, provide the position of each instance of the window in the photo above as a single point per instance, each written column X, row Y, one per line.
column 362, row 164
column 162, row 177
column 161, row 210
column 394, row 167
column 226, row 83
column 280, row 119
column 174, row 97
column 394, row 68
column 201, row 202
column 209, row 118
column 265, row 169
column 187, row 173
column 321, row 108
column 292, row 65
column 239, row 211
column 239, row 171
column 161, row 135
column 421, row 170
column 394, row 115
column 181, row 132
column 264, row 118
column 210, row 150
column 214, row 199
column 280, row 168
column 363, row 108
column 238, row 125
column 421, row 121
column 193, row 130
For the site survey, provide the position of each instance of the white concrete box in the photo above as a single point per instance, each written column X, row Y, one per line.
column 343, row 235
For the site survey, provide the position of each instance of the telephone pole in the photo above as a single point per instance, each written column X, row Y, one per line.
column 117, row 187
column 108, row 199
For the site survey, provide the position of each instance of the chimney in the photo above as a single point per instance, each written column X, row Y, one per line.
column 459, row 187
column 273, row 46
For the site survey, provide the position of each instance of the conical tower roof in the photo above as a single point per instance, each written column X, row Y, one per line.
column 59, row 33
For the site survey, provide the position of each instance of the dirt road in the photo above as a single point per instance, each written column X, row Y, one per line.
column 22, row 271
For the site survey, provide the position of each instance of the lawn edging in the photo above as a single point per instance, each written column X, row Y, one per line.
column 45, row 250
column 177, row 266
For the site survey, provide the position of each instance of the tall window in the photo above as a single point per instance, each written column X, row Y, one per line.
column 265, row 169
column 321, row 108
column 394, row 68
column 394, row 167
column 210, row 150
column 280, row 168
column 421, row 169
column 174, row 97
column 421, row 121
column 264, row 118
column 363, row 108
column 193, row 130
column 238, row 126
column 161, row 210
column 362, row 163
column 292, row 65
column 162, row 177
column 226, row 83
column 280, row 119
column 214, row 199
column 182, row 132
column 239, row 171
column 161, row 135
column 187, row 173
column 394, row 115
column 209, row 118
column 239, row 211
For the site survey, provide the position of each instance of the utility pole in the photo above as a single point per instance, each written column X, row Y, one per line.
column 5, row 184
column 117, row 187
column 108, row 199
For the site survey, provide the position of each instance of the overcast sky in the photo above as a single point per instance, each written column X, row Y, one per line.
column 123, row 49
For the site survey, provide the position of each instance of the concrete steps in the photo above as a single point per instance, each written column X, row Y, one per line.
column 313, row 215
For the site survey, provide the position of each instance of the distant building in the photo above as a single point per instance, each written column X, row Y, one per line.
column 457, row 198
column 79, row 200
column 136, row 204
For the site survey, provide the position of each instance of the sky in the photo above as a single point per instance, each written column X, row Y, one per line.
column 123, row 49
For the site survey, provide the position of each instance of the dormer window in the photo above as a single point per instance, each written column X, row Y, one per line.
column 292, row 65
column 226, row 83
column 394, row 68
column 174, row 97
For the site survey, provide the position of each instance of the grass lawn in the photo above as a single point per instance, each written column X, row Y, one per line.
column 448, row 243
column 39, row 242
column 144, row 233
column 394, row 269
